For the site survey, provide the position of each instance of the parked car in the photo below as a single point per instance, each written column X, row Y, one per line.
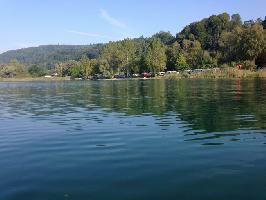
column 120, row 75
column 146, row 75
column 171, row 72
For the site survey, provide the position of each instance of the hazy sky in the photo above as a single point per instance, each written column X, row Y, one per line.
column 34, row 22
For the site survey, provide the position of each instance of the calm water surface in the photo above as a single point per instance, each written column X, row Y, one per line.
column 133, row 139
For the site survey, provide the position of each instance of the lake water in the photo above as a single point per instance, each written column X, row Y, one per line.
column 133, row 139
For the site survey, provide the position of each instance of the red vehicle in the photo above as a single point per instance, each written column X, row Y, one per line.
column 146, row 75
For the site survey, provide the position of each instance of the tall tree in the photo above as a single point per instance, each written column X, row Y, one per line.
column 264, row 23
column 112, row 53
column 165, row 37
column 229, row 44
column 87, row 66
column 176, row 59
column 180, row 62
column 155, row 57
column 104, row 67
column 253, row 42
column 127, row 53
column 235, row 21
column 76, row 70
column 171, row 53
column 243, row 43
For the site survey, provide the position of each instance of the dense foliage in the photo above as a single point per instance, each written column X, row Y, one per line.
column 218, row 41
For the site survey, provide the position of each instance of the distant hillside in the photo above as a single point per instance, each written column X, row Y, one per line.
column 47, row 55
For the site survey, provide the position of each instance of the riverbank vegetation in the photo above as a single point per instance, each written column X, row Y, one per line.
column 220, row 74
column 218, row 42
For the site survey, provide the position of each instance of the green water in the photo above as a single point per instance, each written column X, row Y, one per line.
column 133, row 139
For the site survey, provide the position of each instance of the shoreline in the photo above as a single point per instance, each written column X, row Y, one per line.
column 119, row 79
column 228, row 73
column 32, row 79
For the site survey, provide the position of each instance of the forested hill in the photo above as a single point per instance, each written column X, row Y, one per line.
column 50, row 54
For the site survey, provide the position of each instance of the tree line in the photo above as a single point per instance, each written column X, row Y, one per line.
column 218, row 41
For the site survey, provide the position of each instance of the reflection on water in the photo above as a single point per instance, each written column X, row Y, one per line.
column 207, row 108
column 158, row 138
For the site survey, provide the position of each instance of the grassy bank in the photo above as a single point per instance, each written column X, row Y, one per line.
column 223, row 73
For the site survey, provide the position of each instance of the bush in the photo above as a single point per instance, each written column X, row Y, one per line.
column 173, row 76
column 250, row 65
column 7, row 71
column 36, row 71
column 225, row 65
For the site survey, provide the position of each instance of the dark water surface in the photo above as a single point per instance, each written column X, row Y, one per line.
column 133, row 139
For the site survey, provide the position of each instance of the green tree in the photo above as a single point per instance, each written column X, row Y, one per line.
column 7, row 71
column 243, row 43
column 64, row 68
column 206, row 31
column 235, row 21
column 138, row 64
column 229, row 44
column 155, row 57
column 76, row 70
column 112, row 54
column 264, row 23
column 85, row 66
column 165, row 37
column 199, row 58
column 20, row 69
column 88, row 66
column 253, row 42
column 127, row 53
column 171, row 52
column 176, row 59
column 36, row 71
column 181, row 62
column 104, row 68
column 215, row 26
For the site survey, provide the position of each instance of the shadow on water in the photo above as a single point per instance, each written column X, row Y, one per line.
column 203, row 109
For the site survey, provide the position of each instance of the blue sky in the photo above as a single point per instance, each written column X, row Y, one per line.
column 27, row 23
